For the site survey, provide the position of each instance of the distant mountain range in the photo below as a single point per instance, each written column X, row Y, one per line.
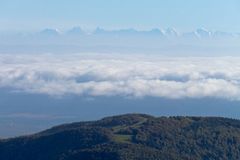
column 131, row 137
column 166, row 33
column 155, row 41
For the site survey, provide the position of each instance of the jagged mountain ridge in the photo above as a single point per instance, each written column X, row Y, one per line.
column 167, row 33
column 200, row 33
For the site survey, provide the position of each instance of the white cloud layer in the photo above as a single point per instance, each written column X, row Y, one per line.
column 128, row 76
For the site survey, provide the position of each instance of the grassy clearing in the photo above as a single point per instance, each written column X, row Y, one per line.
column 122, row 138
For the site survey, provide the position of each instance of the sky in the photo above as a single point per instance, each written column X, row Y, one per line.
column 114, row 14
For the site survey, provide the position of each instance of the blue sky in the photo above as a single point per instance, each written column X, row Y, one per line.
column 113, row 14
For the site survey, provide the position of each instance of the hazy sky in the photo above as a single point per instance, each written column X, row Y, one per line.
column 112, row 14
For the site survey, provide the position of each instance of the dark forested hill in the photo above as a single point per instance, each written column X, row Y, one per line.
column 131, row 137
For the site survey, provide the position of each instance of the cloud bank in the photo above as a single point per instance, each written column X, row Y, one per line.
column 122, row 75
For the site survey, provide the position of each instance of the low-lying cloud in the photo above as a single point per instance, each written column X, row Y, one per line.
column 121, row 75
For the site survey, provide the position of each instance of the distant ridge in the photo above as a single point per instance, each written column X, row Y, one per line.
column 75, row 31
column 200, row 33
column 49, row 32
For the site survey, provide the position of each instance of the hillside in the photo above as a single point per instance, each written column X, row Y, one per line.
column 131, row 137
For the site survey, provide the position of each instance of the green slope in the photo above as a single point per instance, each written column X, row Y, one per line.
column 131, row 137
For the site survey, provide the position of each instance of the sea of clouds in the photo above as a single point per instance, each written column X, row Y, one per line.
column 134, row 76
